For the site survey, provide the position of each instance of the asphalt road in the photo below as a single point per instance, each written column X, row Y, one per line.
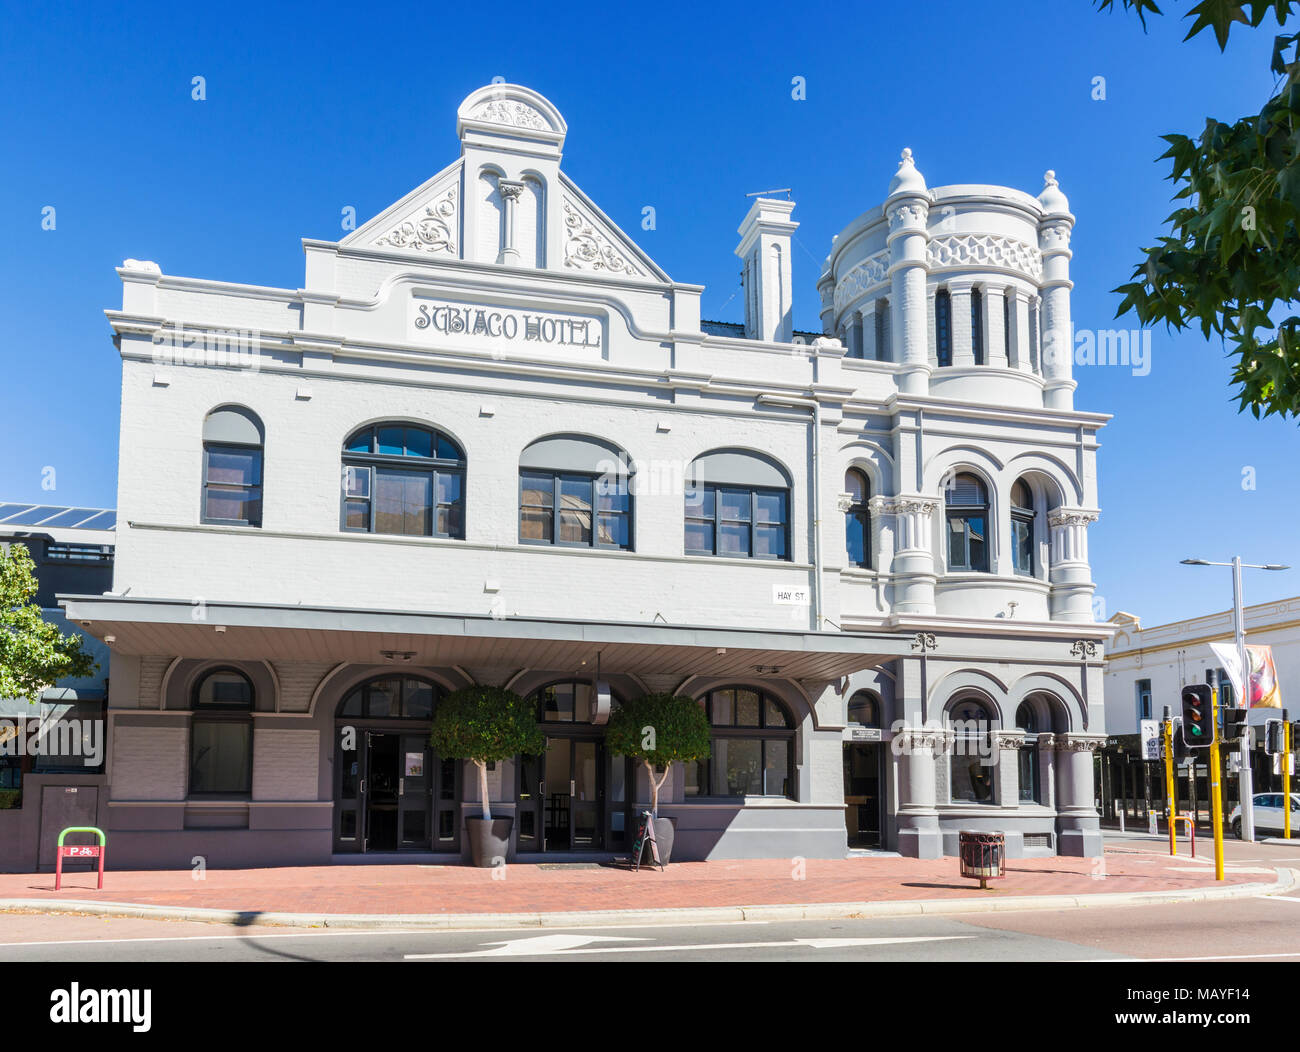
column 1256, row 929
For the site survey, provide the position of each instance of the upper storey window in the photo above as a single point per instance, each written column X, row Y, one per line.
column 857, row 520
column 403, row 479
column 968, row 518
column 575, row 491
column 977, row 325
column 738, row 505
column 943, row 327
column 232, row 467
column 1022, row 528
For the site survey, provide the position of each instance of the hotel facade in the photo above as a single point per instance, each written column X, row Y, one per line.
column 490, row 441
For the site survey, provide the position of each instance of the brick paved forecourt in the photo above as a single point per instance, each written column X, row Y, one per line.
column 528, row 895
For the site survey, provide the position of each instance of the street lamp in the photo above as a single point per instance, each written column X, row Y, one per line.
column 1245, row 787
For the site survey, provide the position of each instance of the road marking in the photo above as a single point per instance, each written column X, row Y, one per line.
column 1222, row 957
column 544, row 946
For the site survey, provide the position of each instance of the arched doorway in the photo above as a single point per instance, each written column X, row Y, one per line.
column 391, row 792
column 575, row 796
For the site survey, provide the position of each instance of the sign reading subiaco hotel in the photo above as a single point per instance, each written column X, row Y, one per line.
column 500, row 329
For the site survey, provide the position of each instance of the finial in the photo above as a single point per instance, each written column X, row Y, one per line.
column 907, row 153
column 1049, row 178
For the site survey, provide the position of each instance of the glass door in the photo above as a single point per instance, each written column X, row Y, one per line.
column 414, row 792
column 586, row 814
column 349, row 783
column 557, row 795
column 862, row 794
column 381, row 789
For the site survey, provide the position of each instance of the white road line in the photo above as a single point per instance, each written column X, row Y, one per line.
column 1221, row 957
column 255, row 933
column 522, row 947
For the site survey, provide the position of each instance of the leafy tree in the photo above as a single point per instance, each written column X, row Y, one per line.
column 1231, row 257
column 34, row 654
column 659, row 729
column 486, row 725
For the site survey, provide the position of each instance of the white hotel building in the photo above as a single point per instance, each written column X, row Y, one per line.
column 490, row 441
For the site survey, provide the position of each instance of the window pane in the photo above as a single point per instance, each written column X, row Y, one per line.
column 855, row 536
column 227, row 689
column 234, row 467
column 356, row 514
column 975, row 529
column 972, row 780
column 451, row 507
column 418, row 701
column 699, row 537
column 575, row 509
column 696, row 775
column 582, row 703
column 612, row 529
column 234, row 505
column 1022, row 547
column 447, row 449
column 700, row 502
column 356, row 481
column 1029, row 774
column 746, row 708
column 774, row 715
column 770, row 507
column 733, row 540
column 385, row 699
column 776, row 768
column 219, row 756
column 403, row 503
column 724, row 708
column 391, row 441
column 360, row 442
column 769, row 541
column 535, row 502
column 736, row 505
column 535, row 525
column 558, row 702
column 419, row 443
column 737, row 767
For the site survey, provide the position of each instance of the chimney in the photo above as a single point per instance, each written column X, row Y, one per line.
column 765, row 251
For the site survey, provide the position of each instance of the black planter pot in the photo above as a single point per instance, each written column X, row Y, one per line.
column 665, row 829
column 489, row 840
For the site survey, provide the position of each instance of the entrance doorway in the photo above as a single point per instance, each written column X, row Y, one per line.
column 561, row 796
column 391, row 793
column 862, row 794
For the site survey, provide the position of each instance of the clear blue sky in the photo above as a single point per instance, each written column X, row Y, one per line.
column 687, row 109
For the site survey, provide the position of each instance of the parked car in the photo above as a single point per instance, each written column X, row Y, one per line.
column 1268, row 815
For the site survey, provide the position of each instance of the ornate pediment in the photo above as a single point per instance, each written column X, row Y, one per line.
column 427, row 221
column 593, row 243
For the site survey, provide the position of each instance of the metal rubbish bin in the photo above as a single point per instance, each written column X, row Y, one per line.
column 981, row 856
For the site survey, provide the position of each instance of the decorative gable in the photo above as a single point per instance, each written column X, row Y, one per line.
column 427, row 220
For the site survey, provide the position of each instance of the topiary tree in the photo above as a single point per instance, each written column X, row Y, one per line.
column 34, row 654
column 659, row 729
column 485, row 725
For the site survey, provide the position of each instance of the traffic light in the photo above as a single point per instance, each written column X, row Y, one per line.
column 1273, row 737
column 1234, row 724
column 1198, row 727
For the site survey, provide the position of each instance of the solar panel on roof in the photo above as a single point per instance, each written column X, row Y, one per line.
column 71, row 517
column 11, row 509
column 105, row 520
column 34, row 516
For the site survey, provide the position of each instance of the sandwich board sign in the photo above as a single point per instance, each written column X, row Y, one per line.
column 645, row 837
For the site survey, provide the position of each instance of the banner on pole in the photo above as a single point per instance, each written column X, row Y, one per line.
column 1264, row 692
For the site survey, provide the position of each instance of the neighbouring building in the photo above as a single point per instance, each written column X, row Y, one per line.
column 52, row 748
column 490, row 441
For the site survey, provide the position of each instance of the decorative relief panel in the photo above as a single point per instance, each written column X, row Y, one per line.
column 511, row 112
column 432, row 230
column 961, row 250
column 587, row 247
column 866, row 275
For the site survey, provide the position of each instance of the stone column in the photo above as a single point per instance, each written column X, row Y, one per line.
column 908, row 210
column 912, row 565
column 1057, row 349
column 1018, row 337
column 510, row 194
column 995, row 336
column 1069, row 572
column 1008, row 745
column 918, row 819
column 963, row 350
column 1077, row 824
column 1047, row 769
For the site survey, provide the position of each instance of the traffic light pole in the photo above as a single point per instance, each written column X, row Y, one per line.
column 1216, row 795
column 1286, row 775
column 1169, row 784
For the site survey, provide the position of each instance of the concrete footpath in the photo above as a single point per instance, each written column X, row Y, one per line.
column 572, row 894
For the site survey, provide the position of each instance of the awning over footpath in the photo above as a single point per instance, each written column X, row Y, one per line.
column 242, row 631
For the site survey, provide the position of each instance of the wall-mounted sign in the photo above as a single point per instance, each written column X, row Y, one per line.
column 791, row 595
column 602, row 701
column 1149, row 730
column 863, row 734
column 505, row 330
column 415, row 765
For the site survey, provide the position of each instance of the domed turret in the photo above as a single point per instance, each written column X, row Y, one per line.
column 908, row 179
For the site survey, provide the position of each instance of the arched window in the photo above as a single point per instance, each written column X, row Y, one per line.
column 752, row 750
column 1022, row 528
column 575, row 491
column 221, row 734
column 738, row 505
column 973, row 761
column 968, row 515
column 943, row 327
column 864, row 708
column 1029, row 780
column 977, row 325
column 857, row 520
column 569, row 701
column 391, row 698
column 403, row 479
column 232, row 467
